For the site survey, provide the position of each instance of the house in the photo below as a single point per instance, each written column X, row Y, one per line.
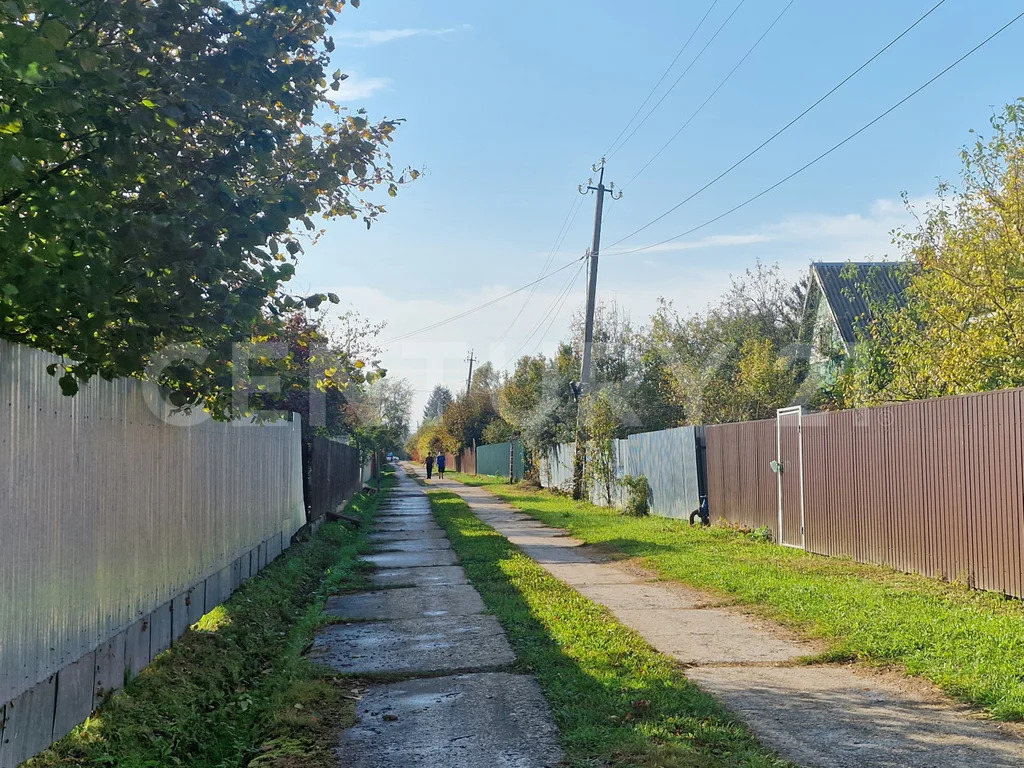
column 839, row 305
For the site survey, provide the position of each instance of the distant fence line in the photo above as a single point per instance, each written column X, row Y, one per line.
column 121, row 524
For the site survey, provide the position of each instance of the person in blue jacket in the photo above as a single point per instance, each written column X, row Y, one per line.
column 440, row 465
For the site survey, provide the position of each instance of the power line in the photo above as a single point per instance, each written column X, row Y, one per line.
column 832, row 149
column 678, row 79
column 563, row 232
column 663, row 76
column 784, row 128
column 477, row 308
column 552, row 312
column 554, row 315
column 712, row 94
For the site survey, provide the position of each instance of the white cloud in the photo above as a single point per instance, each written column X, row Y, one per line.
column 357, row 88
column 711, row 241
column 856, row 236
column 371, row 37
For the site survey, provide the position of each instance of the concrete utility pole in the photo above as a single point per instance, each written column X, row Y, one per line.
column 588, row 330
column 469, row 378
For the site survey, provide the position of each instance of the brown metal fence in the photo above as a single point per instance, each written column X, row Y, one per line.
column 335, row 475
column 934, row 487
column 741, row 485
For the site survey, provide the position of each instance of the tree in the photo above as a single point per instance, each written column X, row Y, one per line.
column 439, row 401
column 467, row 418
column 740, row 359
column 485, row 378
column 153, row 159
column 602, row 417
column 961, row 328
column 381, row 414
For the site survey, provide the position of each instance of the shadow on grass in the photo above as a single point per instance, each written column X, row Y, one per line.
column 616, row 701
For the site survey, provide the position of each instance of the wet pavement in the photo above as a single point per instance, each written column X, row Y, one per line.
column 460, row 706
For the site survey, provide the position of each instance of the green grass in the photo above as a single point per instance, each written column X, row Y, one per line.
column 235, row 689
column 616, row 701
column 968, row 642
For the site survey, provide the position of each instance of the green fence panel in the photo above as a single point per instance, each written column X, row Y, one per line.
column 493, row 459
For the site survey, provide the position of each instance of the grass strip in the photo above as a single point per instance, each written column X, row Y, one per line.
column 236, row 689
column 970, row 643
column 616, row 701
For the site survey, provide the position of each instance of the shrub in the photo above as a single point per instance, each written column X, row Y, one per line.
column 762, row 534
column 638, row 496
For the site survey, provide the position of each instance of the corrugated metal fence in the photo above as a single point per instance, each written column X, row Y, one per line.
column 933, row 487
column 741, row 485
column 670, row 459
column 494, row 459
column 120, row 525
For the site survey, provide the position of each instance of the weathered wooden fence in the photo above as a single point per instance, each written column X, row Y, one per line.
column 335, row 476
column 120, row 525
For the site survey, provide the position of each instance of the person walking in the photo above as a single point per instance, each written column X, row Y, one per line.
column 430, row 465
column 440, row 465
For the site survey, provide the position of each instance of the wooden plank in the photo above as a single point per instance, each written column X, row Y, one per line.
column 161, row 629
column 179, row 616
column 195, row 603
column 75, row 685
column 138, row 650
column 236, row 574
column 109, row 669
column 28, row 726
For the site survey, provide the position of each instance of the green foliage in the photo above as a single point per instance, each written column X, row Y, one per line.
column 740, row 359
column 380, row 415
column 431, row 437
column 498, row 431
column 438, row 402
column 468, row 417
column 231, row 683
column 154, row 157
column 616, row 701
column 762, row 534
column 962, row 328
column 964, row 641
column 602, row 421
column 638, row 496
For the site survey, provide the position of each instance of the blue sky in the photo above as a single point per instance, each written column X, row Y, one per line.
column 508, row 105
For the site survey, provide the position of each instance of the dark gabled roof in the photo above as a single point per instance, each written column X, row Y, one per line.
column 851, row 287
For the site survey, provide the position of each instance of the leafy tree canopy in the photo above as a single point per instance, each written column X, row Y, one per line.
column 154, row 157
column 961, row 328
